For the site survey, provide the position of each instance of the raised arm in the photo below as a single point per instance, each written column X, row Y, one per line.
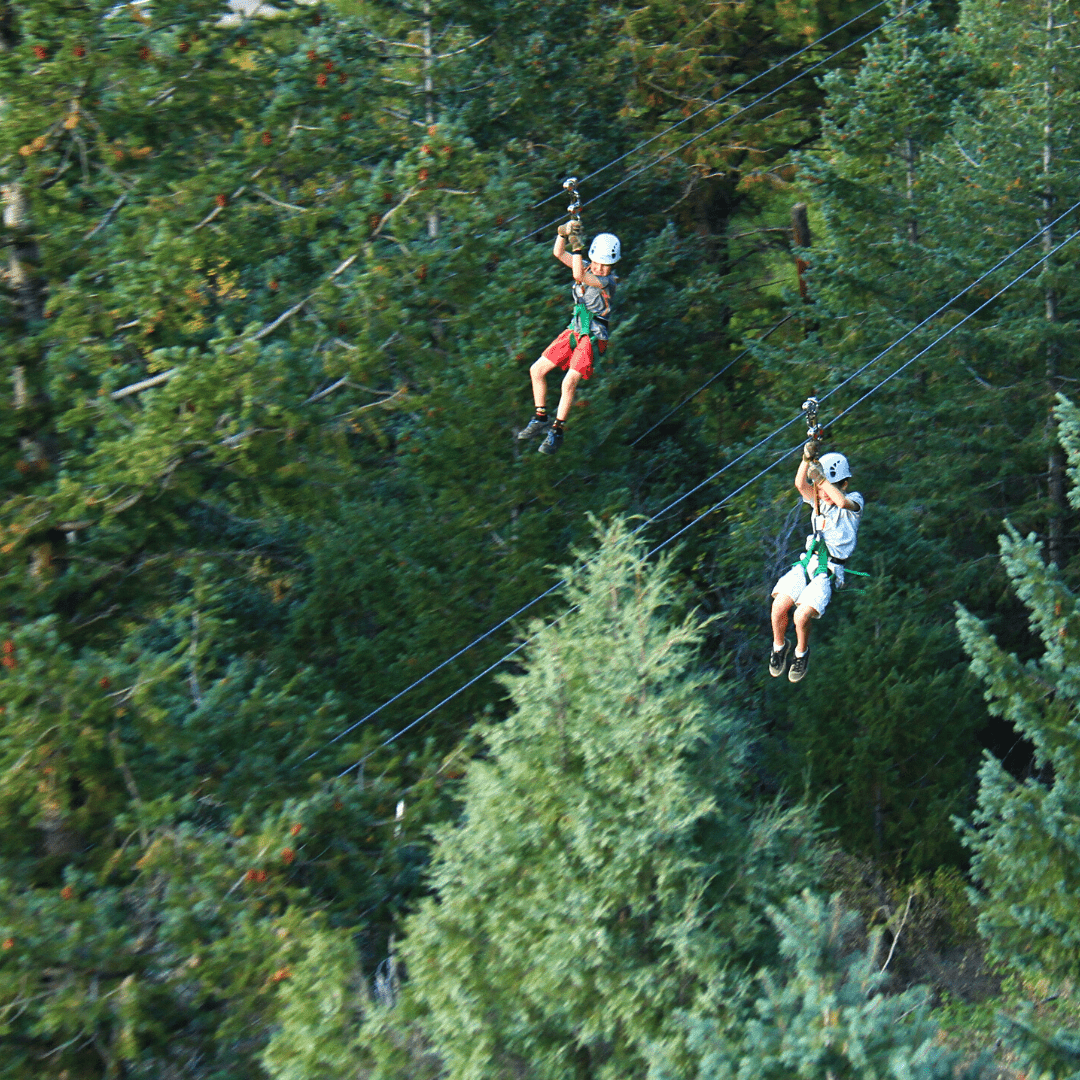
column 802, row 482
column 564, row 256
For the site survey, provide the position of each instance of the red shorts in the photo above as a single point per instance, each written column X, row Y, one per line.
column 579, row 359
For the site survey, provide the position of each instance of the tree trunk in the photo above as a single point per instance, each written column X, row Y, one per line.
column 909, row 162
column 429, row 103
column 1055, row 547
column 800, row 234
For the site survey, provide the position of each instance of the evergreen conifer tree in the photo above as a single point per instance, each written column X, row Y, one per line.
column 609, row 868
column 1025, row 854
column 824, row 1013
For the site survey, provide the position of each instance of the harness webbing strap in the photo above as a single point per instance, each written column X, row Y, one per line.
column 582, row 319
column 819, row 550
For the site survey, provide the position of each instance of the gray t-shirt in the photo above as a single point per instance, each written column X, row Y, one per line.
column 839, row 528
column 597, row 300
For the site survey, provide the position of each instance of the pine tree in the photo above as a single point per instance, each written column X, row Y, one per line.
column 823, row 1012
column 608, row 863
column 1024, row 850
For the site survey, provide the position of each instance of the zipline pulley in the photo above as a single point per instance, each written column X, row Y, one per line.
column 814, row 430
column 574, row 209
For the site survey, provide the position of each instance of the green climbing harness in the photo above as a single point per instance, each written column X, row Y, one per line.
column 582, row 320
column 821, row 552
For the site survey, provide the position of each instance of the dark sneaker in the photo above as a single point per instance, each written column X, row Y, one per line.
column 778, row 660
column 798, row 667
column 551, row 443
column 534, row 428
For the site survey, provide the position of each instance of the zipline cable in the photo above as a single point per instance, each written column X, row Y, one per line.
column 547, row 592
column 776, row 461
column 536, row 599
column 888, row 378
column 711, row 105
column 738, row 112
column 525, row 607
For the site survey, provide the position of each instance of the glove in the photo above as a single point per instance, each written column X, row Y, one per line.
column 571, row 230
column 810, row 450
column 815, row 472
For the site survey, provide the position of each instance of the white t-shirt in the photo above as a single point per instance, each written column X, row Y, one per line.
column 839, row 528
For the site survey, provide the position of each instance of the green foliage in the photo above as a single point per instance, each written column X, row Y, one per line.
column 822, row 1012
column 1021, row 836
column 608, row 866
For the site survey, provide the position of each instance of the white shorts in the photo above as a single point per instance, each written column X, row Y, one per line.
column 816, row 594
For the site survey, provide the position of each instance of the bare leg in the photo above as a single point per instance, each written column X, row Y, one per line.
column 538, row 373
column 569, row 387
column 804, row 617
column 781, row 609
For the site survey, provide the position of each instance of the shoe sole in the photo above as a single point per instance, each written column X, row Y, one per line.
column 796, row 676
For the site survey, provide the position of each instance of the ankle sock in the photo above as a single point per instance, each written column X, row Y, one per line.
column 558, row 425
column 541, row 412
column 778, row 648
column 800, row 655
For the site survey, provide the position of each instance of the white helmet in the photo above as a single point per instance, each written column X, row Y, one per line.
column 835, row 467
column 605, row 249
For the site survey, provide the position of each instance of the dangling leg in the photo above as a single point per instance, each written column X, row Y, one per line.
column 539, row 423
column 566, row 399
column 804, row 617
column 538, row 373
column 781, row 610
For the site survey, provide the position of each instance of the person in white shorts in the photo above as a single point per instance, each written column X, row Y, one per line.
column 807, row 587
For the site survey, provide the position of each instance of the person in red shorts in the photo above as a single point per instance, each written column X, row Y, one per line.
column 574, row 349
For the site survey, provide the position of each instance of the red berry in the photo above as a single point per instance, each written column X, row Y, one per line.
column 281, row 973
column 221, row 200
column 144, row 53
column 287, row 856
column 294, row 829
column 9, row 943
column 342, row 78
column 329, row 65
column 104, row 683
column 39, row 52
column 273, row 286
column 79, row 51
column 346, row 116
column 312, row 55
column 267, row 138
column 423, row 174
column 320, row 80
column 67, row 892
column 183, row 46
column 241, row 43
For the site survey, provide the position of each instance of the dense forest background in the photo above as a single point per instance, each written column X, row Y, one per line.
column 342, row 735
